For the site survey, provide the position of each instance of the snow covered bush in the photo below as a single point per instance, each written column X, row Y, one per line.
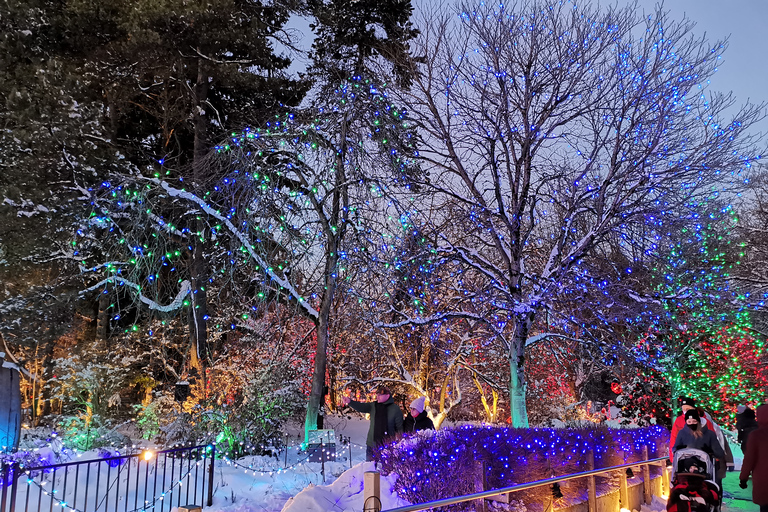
column 644, row 400
column 152, row 416
column 251, row 423
column 88, row 388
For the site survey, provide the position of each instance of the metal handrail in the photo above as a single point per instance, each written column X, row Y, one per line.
column 520, row 487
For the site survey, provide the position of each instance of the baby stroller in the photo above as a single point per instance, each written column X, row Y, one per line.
column 694, row 488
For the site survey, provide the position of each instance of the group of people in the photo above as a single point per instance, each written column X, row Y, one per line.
column 386, row 418
column 695, row 428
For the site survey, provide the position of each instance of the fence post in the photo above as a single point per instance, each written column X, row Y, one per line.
column 591, row 481
column 14, row 480
column 210, row 476
column 549, row 500
column 647, row 498
column 665, row 487
column 322, row 459
column 623, row 494
column 371, row 492
column 480, row 485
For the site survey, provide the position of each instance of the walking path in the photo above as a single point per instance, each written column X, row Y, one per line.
column 736, row 499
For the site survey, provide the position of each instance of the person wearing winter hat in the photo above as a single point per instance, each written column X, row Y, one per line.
column 686, row 403
column 694, row 436
column 745, row 423
column 418, row 419
column 756, row 461
column 386, row 418
column 709, row 423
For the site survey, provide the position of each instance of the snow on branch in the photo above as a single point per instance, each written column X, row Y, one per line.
column 427, row 320
column 175, row 304
column 283, row 283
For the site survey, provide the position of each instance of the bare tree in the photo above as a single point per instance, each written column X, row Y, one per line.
column 557, row 126
column 751, row 275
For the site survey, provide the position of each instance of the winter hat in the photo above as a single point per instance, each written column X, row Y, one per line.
column 686, row 400
column 740, row 409
column 692, row 466
column 692, row 413
column 418, row 404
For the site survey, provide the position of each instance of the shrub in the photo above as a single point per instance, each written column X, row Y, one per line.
column 434, row 465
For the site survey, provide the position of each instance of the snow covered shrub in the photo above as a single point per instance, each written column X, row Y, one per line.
column 83, row 432
column 257, row 420
column 436, row 465
column 645, row 400
column 250, row 423
column 90, row 386
column 158, row 412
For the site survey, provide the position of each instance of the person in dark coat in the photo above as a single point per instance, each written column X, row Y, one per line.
column 745, row 423
column 386, row 418
column 418, row 419
column 686, row 403
column 693, row 435
column 756, row 460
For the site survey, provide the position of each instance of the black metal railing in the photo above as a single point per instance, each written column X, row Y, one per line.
column 155, row 481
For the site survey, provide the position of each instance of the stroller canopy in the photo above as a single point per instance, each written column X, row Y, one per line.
column 693, row 462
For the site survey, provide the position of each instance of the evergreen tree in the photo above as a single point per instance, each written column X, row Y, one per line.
column 350, row 36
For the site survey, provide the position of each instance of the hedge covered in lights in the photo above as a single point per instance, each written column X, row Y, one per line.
column 433, row 465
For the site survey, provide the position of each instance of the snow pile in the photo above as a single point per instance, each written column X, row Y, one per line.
column 656, row 505
column 345, row 494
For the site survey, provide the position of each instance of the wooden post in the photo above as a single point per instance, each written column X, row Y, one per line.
column 665, row 487
column 371, row 492
column 549, row 499
column 591, row 482
column 623, row 494
column 480, row 485
column 647, row 498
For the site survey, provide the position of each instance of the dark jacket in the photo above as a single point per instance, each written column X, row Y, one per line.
column 707, row 442
column 394, row 418
column 756, row 458
column 745, row 423
column 420, row 422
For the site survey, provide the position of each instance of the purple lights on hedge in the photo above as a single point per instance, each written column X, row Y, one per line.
column 433, row 465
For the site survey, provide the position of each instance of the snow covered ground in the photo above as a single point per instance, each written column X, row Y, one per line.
column 262, row 484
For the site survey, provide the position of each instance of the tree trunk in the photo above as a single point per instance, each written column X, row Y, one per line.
column 198, row 272
column 423, row 377
column 517, row 392
column 517, row 383
column 318, row 376
column 102, row 320
column 44, row 405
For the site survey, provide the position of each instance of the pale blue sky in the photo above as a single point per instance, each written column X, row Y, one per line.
column 745, row 63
